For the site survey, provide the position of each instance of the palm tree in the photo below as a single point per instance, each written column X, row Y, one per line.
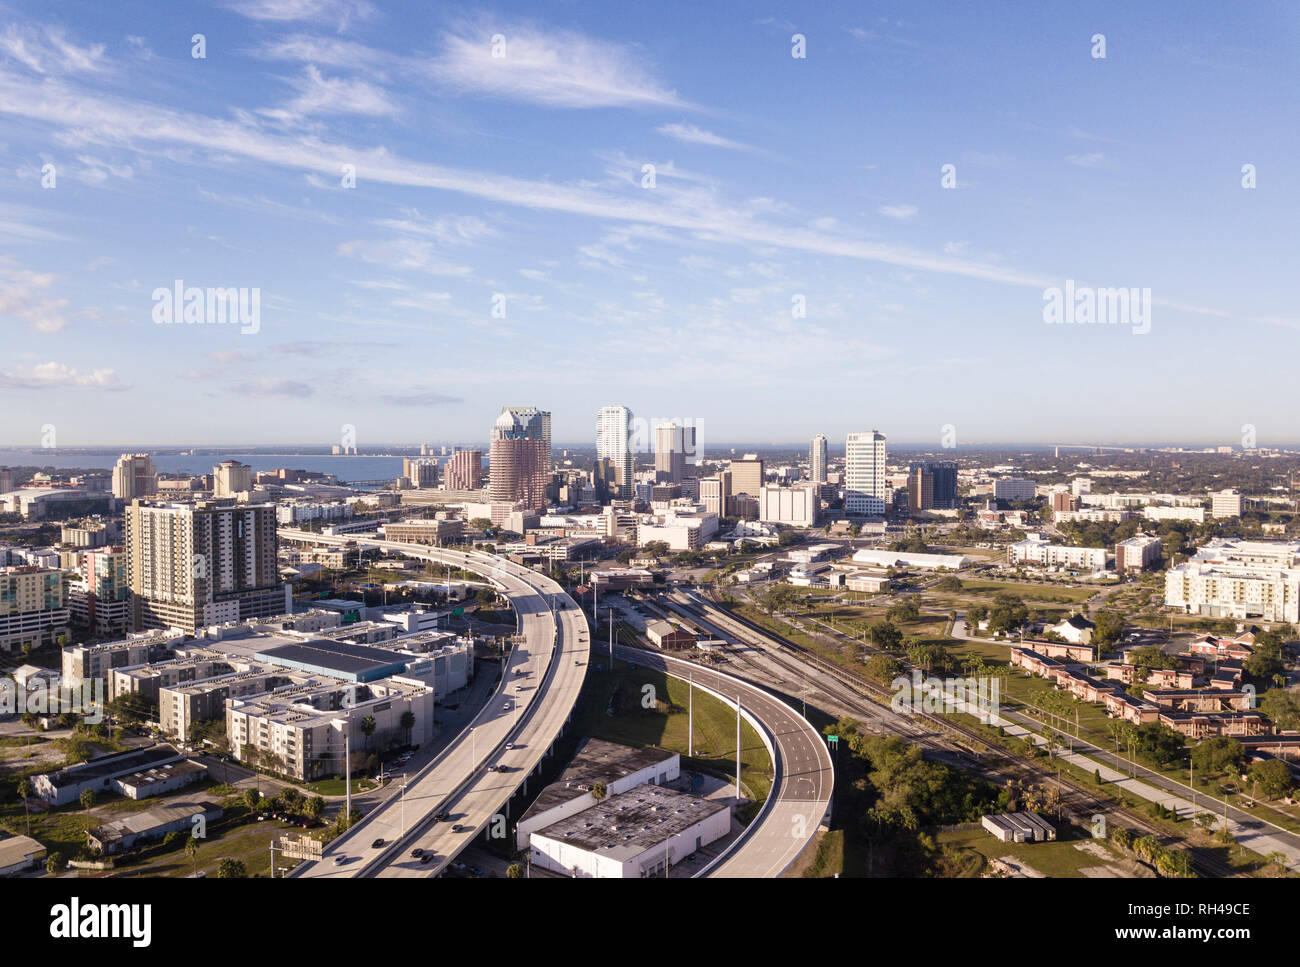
column 87, row 799
column 25, row 790
column 407, row 722
column 368, row 729
column 192, row 851
column 598, row 790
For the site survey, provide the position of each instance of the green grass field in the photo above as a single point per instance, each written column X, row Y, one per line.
column 1030, row 592
column 611, row 708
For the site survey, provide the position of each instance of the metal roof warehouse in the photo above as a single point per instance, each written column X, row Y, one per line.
column 338, row 659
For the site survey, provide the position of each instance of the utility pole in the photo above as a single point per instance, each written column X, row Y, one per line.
column 611, row 638
column 737, row 747
column 690, row 714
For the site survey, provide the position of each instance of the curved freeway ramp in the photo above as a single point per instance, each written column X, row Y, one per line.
column 514, row 730
column 803, row 772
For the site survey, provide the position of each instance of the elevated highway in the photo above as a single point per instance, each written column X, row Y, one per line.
column 539, row 687
column 803, row 773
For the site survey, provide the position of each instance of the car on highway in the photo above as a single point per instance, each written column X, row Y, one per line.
column 417, row 853
column 377, row 844
column 505, row 707
column 340, row 860
column 509, row 746
column 426, row 858
column 457, row 827
column 443, row 816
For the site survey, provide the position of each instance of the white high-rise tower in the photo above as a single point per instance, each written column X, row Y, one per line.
column 613, row 430
column 817, row 459
column 865, row 489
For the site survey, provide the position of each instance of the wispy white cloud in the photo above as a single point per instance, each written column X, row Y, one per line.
column 419, row 398
column 54, row 375
column 47, row 50
column 899, row 212
column 555, row 68
column 339, row 12
column 447, row 230
column 23, row 296
column 329, row 51
column 279, row 389
column 691, row 134
column 1094, row 159
column 695, row 210
column 318, row 94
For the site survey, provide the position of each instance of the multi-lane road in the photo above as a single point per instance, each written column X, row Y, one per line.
column 539, row 687
column 803, row 774
column 540, row 683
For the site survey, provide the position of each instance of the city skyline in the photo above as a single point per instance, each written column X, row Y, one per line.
column 421, row 223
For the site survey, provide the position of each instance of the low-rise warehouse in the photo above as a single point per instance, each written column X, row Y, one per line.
column 639, row 833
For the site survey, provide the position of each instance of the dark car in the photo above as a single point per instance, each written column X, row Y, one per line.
column 443, row 816
column 457, row 828
column 417, row 853
column 377, row 844
column 426, row 858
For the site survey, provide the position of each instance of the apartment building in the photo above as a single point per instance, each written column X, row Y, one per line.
column 300, row 731
column 1138, row 553
column 99, row 597
column 33, row 607
column 89, row 663
column 817, row 462
column 463, row 471
column 1240, row 579
column 194, row 565
column 1038, row 552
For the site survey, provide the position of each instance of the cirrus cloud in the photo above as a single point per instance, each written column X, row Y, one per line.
column 54, row 375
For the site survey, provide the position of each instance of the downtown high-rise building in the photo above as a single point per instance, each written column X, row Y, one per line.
column 463, row 470
column 520, row 457
column 866, row 489
column 673, row 443
column 747, row 475
column 230, row 477
column 420, row 472
column 194, row 565
column 817, row 459
column 920, row 488
column 613, row 443
column 134, row 476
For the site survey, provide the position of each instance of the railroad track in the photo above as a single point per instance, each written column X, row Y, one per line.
column 1091, row 803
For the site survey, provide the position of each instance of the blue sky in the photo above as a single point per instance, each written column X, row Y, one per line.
column 521, row 176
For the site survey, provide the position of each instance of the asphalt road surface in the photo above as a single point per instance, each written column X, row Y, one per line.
column 539, row 687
